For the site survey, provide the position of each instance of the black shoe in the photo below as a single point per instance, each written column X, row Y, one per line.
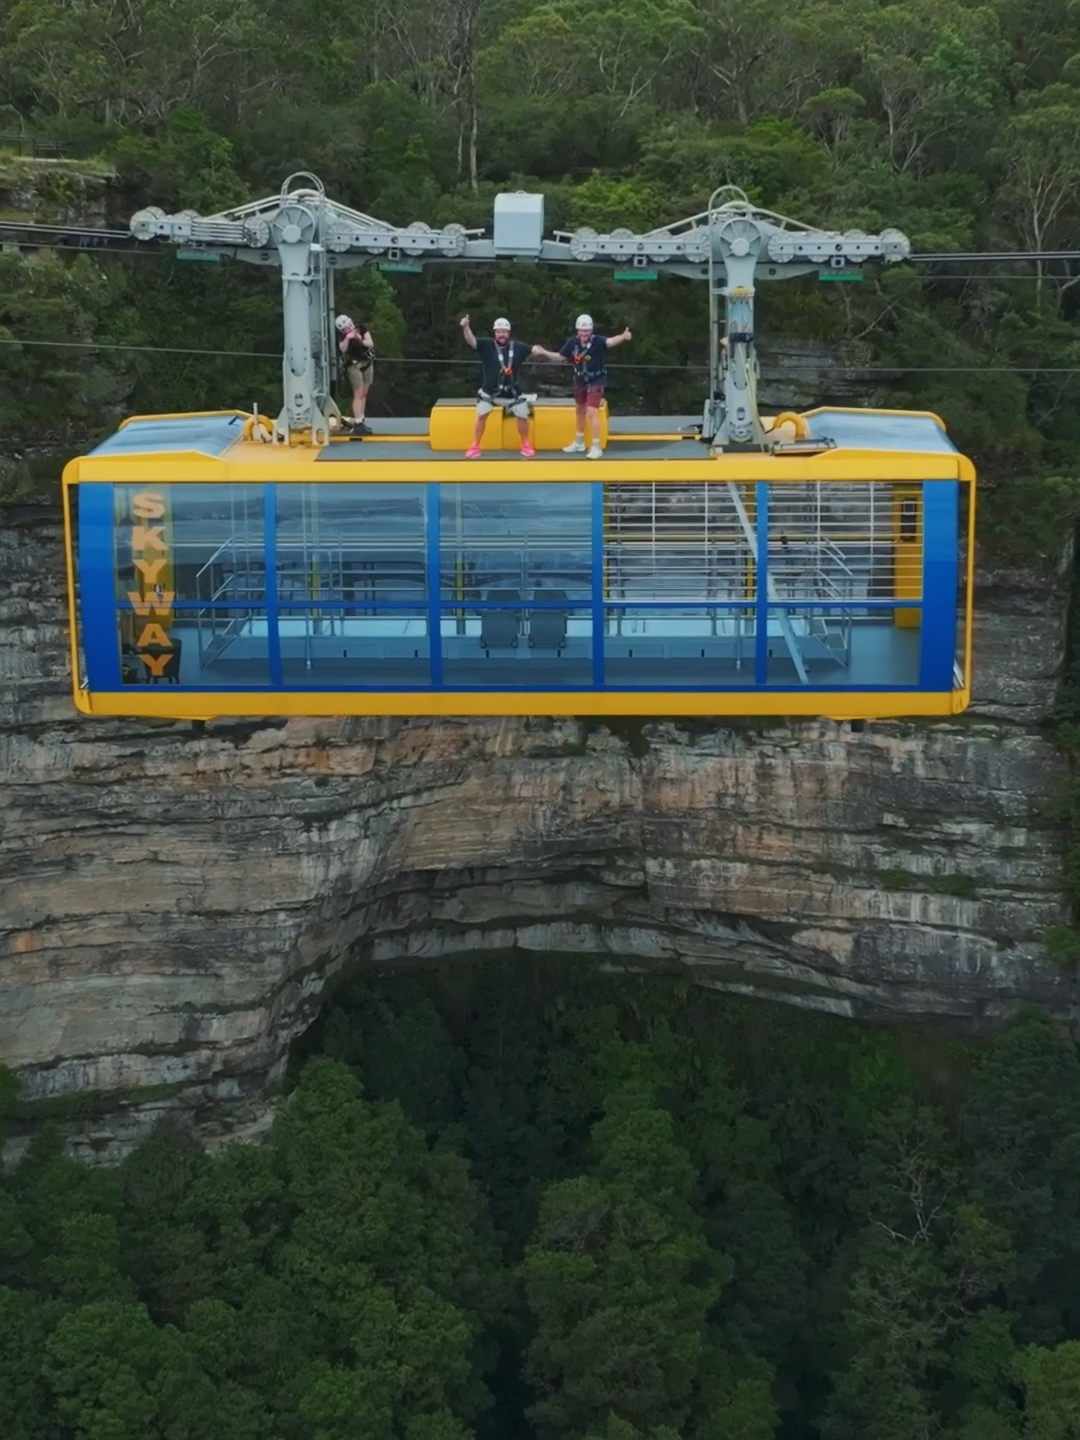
column 361, row 427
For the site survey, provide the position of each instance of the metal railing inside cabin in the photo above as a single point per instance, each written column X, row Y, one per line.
column 676, row 562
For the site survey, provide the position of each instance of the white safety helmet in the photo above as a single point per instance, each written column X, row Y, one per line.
column 583, row 322
column 501, row 324
column 343, row 323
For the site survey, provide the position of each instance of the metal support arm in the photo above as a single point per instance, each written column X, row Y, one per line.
column 787, row 630
column 731, row 245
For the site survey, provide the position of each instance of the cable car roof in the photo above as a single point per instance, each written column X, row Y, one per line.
column 890, row 434
column 201, row 434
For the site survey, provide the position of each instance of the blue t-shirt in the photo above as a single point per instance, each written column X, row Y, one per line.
column 589, row 361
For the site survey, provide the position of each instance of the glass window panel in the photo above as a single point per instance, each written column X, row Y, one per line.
column 194, row 542
column 699, row 647
column 841, row 647
column 362, row 543
column 383, row 649
column 499, row 645
column 198, row 648
column 532, row 539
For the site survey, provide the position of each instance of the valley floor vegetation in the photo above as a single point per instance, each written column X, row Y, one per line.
column 527, row 1201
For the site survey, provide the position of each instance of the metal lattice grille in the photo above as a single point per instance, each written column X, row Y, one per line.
column 675, row 542
column 832, row 543
column 845, row 543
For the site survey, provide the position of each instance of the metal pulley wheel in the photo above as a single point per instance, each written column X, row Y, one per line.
column 144, row 223
column 740, row 237
column 257, row 232
column 293, row 225
column 453, row 240
column 408, row 238
column 583, row 244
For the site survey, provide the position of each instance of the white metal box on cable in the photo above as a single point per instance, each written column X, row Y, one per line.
column 519, row 223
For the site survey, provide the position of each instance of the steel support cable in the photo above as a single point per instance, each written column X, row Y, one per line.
column 690, row 368
column 95, row 235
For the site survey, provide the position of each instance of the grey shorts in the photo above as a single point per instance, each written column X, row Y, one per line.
column 361, row 375
column 518, row 405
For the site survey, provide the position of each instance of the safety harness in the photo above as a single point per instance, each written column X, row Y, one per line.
column 356, row 352
column 584, row 372
column 507, row 386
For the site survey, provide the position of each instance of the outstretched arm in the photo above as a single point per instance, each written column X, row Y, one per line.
column 539, row 353
column 466, row 330
column 613, row 340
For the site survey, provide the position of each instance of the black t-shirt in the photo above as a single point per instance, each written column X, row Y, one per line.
column 500, row 365
column 589, row 361
column 356, row 352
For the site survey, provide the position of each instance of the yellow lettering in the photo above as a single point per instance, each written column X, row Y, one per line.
column 148, row 505
column 153, row 635
column 155, row 663
column 159, row 604
column 150, row 569
column 149, row 537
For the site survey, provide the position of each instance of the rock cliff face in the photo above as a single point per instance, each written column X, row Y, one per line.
column 61, row 192
column 171, row 908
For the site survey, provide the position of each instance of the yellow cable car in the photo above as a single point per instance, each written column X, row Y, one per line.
column 215, row 573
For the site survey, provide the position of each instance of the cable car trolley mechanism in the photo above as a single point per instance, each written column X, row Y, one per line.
column 223, row 564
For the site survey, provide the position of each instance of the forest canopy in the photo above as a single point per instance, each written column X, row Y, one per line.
column 956, row 122
column 528, row 1202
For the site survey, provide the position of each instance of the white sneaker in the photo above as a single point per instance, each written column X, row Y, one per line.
column 594, row 452
column 576, row 447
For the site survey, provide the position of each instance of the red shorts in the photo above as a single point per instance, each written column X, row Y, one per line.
column 589, row 395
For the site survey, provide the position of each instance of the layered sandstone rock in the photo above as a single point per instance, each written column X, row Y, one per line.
column 172, row 907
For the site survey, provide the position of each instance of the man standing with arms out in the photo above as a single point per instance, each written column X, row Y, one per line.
column 358, row 348
column 587, row 352
column 501, row 359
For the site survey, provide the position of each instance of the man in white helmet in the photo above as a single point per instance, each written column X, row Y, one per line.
column 587, row 352
column 501, row 359
column 358, row 350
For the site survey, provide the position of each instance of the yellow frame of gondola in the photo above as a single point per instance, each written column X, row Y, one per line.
column 299, row 464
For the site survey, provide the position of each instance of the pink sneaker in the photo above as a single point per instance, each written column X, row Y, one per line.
column 473, row 452
column 527, row 450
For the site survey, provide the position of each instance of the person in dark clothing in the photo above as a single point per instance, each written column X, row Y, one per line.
column 587, row 352
column 501, row 359
column 358, row 349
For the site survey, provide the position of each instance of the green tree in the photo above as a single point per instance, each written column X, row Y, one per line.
column 26, row 1410
column 165, row 1254
column 388, row 1259
column 43, row 300
column 1022, row 1122
column 399, row 1046
column 620, row 1280
column 1041, row 153
column 116, row 1375
column 923, row 1264
column 1051, row 1381
column 68, row 1211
